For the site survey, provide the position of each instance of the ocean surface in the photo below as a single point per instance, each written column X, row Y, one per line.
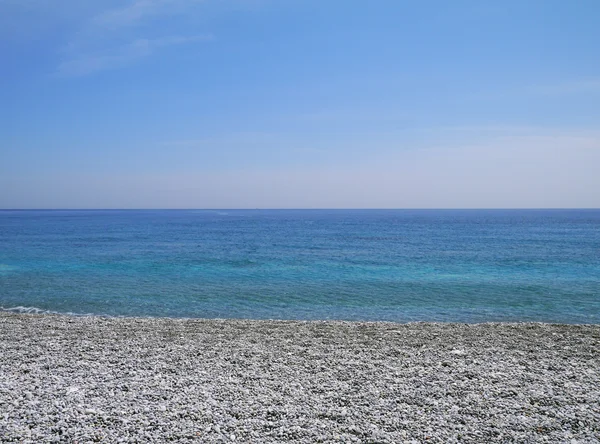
column 390, row 265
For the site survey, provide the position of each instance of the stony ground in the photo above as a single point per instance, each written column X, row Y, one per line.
column 86, row 379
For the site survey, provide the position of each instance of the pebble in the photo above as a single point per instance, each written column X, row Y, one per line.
column 179, row 380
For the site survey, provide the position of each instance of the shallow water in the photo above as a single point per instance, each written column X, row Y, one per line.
column 395, row 265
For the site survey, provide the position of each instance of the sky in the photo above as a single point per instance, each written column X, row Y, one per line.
column 299, row 104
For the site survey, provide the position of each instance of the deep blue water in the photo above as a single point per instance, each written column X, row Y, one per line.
column 395, row 265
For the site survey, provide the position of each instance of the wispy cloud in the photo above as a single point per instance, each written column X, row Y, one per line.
column 584, row 86
column 135, row 12
column 119, row 36
column 542, row 90
column 122, row 55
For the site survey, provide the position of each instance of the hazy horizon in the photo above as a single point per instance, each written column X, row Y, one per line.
column 303, row 209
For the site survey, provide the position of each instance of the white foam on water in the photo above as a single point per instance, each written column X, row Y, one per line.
column 35, row 310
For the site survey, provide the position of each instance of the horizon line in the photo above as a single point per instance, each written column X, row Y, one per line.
column 310, row 209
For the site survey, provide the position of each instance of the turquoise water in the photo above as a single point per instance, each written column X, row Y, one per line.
column 393, row 265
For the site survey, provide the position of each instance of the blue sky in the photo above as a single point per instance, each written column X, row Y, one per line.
column 299, row 104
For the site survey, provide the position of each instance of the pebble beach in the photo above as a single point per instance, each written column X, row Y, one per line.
column 97, row 379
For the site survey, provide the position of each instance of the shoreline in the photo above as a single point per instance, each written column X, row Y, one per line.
column 34, row 311
column 94, row 378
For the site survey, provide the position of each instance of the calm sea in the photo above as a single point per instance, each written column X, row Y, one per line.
column 393, row 265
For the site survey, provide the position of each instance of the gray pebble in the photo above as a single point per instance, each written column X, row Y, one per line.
column 91, row 379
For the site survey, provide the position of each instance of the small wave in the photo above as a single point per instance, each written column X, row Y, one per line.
column 35, row 310
column 39, row 311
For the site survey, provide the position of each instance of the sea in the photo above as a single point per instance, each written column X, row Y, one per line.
column 465, row 266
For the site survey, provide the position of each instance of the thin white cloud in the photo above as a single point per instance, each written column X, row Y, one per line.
column 585, row 86
column 558, row 90
column 116, row 37
column 122, row 55
column 135, row 12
